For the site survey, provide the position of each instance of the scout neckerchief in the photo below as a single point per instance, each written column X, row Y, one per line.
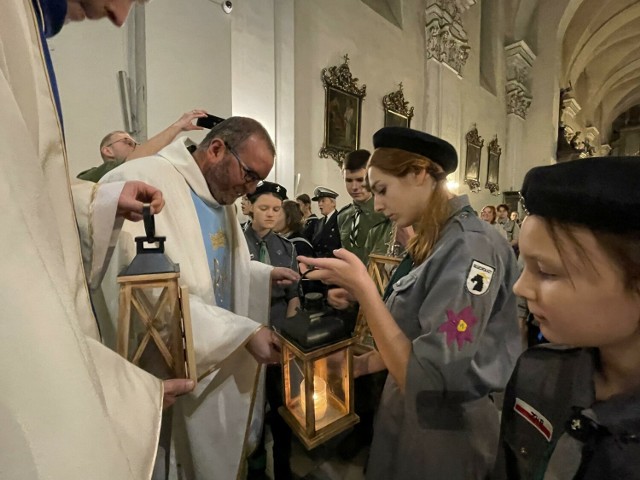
column 355, row 224
column 407, row 262
column 263, row 254
column 403, row 269
column 213, row 226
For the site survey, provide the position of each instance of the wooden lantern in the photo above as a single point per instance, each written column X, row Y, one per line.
column 317, row 371
column 380, row 270
column 154, row 323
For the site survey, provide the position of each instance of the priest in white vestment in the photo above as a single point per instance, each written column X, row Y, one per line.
column 229, row 294
column 70, row 408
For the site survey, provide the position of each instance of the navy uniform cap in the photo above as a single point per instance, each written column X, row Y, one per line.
column 321, row 192
column 414, row 141
column 268, row 187
column 600, row 193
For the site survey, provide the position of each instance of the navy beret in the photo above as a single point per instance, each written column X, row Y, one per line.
column 434, row 148
column 268, row 187
column 600, row 193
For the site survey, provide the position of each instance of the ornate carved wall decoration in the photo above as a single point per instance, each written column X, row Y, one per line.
column 569, row 107
column 342, row 111
column 493, row 166
column 520, row 59
column 571, row 145
column 447, row 41
column 472, row 166
column 397, row 112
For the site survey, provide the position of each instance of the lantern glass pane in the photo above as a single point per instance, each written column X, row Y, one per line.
column 155, row 320
column 330, row 385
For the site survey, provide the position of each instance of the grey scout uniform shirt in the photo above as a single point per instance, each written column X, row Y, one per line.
column 369, row 218
column 281, row 254
column 459, row 312
column 554, row 429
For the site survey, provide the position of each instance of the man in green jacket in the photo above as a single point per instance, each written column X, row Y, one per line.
column 118, row 147
column 357, row 219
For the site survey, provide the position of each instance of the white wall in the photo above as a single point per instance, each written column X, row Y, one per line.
column 265, row 60
column 188, row 54
column 188, row 61
column 381, row 55
column 86, row 57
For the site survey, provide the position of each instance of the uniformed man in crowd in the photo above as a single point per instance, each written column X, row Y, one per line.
column 326, row 238
column 269, row 247
column 357, row 219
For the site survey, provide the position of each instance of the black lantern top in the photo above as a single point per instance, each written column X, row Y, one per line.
column 152, row 259
column 316, row 325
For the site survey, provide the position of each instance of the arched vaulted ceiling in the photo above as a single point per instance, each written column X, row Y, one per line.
column 601, row 60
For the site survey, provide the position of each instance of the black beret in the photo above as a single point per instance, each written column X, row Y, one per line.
column 268, row 187
column 422, row 143
column 356, row 160
column 600, row 193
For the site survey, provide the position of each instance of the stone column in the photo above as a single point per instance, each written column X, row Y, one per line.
column 263, row 75
column 447, row 50
column 519, row 61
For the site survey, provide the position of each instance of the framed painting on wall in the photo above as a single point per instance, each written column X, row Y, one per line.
column 343, row 111
column 493, row 166
column 472, row 166
column 397, row 112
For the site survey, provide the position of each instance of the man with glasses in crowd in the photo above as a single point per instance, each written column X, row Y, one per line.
column 118, row 146
column 229, row 294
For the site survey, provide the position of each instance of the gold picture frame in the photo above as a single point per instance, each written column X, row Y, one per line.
column 342, row 112
column 397, row 112
column 493, row 166
column 472, row 165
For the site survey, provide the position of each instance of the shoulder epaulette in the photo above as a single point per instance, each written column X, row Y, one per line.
column 344, row 208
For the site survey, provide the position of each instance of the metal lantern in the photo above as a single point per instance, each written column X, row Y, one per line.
column 317, row 371
column 154, row 324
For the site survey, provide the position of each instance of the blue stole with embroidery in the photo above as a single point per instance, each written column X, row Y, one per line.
column 213, row 225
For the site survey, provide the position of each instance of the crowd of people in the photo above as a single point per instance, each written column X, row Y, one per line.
column 447, row 338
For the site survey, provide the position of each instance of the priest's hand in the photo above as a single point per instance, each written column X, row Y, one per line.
column 284, row 276
column 174, row 388
column 134, row 194
column 264, row 346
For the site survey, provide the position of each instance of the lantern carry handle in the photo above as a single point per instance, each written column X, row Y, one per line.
column 150, row 231
column 149, row 222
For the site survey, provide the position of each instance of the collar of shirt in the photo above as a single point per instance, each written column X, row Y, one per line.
column 366, row 206
column 253, row 235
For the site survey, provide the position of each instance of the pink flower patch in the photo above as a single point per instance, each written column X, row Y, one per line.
column 458, row 326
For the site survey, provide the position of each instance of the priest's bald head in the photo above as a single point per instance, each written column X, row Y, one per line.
column 234, row 156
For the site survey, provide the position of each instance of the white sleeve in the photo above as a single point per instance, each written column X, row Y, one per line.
column 95, row 206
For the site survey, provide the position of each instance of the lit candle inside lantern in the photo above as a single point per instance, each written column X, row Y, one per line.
column 319, row 398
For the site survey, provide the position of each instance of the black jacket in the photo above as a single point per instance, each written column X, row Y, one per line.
column 552, row 424
column 327, row 237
